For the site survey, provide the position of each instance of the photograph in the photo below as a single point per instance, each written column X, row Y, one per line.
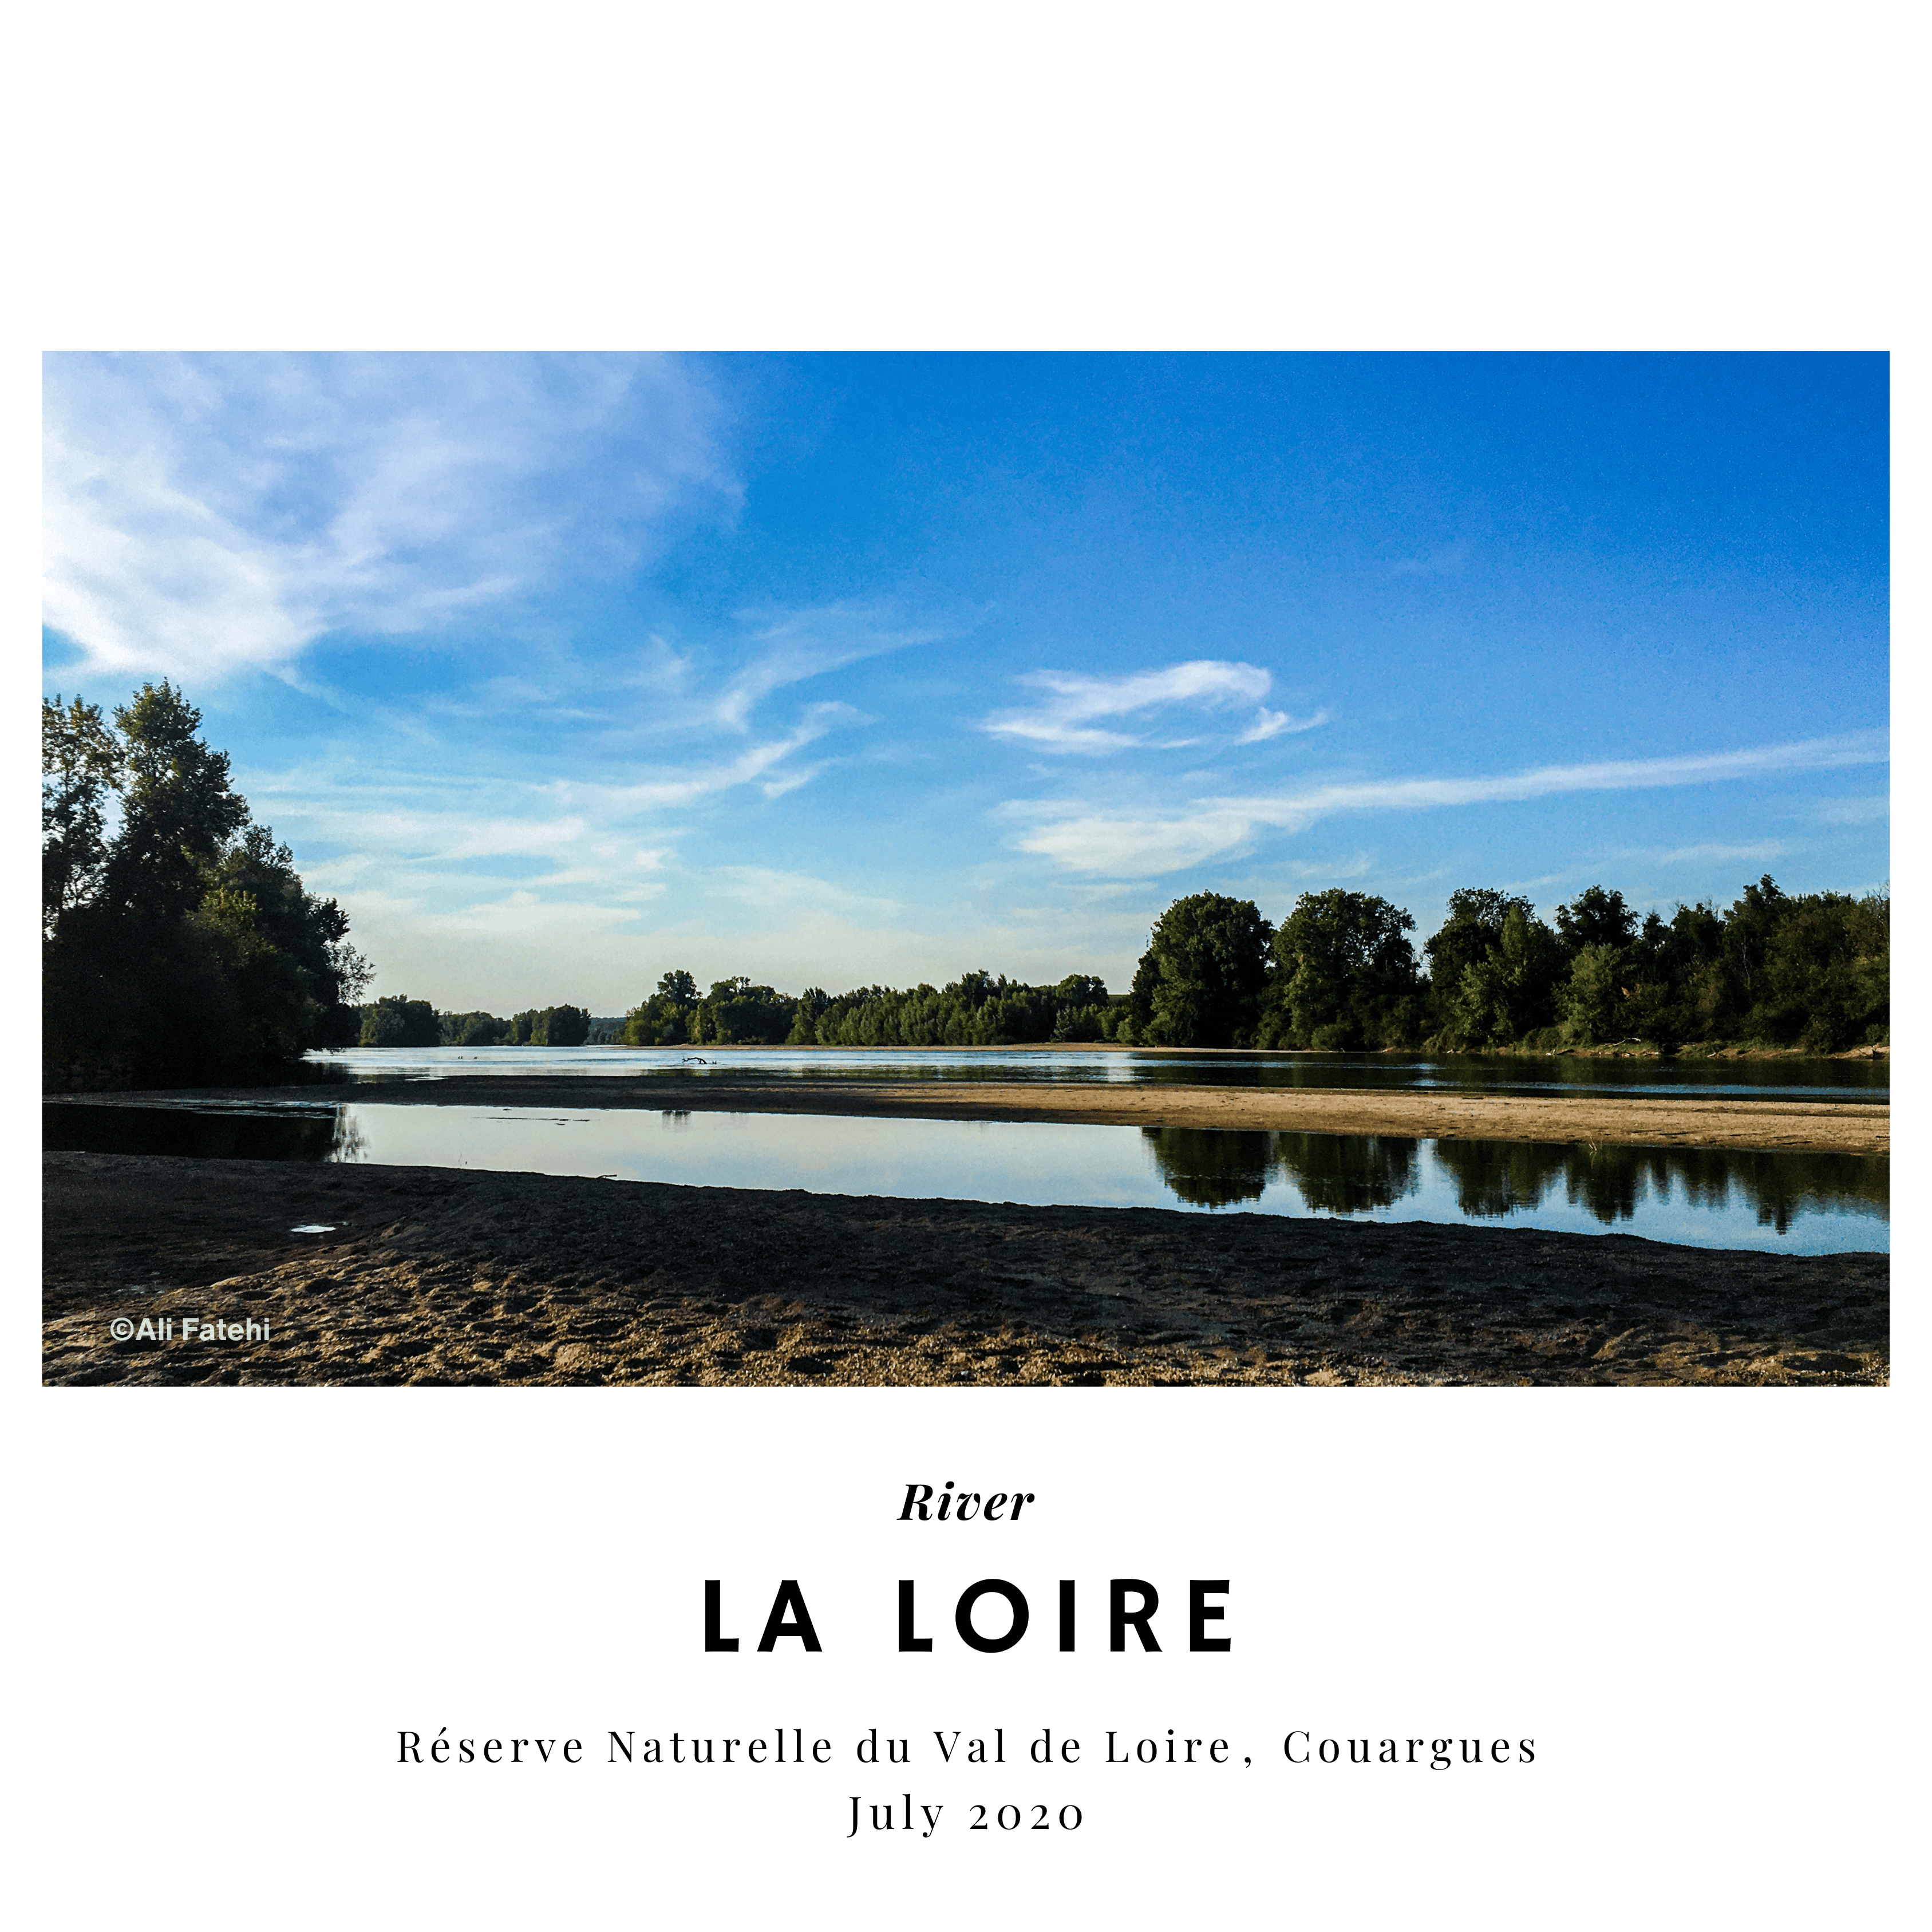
column 1004, row 869
column 964, row 969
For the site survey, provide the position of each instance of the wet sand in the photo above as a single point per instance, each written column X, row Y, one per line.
column 1836, row 1126
column 431, row 1276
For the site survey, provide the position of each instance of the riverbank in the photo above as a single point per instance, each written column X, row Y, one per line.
column 1862, row 1127
column 428, row 1276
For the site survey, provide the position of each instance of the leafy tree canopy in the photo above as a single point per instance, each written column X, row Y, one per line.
column 180, row 946
column 1345, row 975
column 1200, row 982
column 1595, row 917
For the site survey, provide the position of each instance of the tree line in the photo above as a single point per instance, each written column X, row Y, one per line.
column 178, row 945
column 1341, row 972
column 974, row 1010
column 396, row 1020
column 1811, row 971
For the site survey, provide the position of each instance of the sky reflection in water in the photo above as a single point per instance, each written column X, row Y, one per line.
column 1734, row 1079
column 1796, row 1202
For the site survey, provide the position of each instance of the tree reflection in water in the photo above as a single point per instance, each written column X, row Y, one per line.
column 1496, row 1178
column 1780, row 1185
column 1211, row 1167
column 1342, row 1174
column 1706, row 1194
column 306, row 1135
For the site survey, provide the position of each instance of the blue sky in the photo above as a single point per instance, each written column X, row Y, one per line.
column 563, row 671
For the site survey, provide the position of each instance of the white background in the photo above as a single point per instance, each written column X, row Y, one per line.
column 224, row 1605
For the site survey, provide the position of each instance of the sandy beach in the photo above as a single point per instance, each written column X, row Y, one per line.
column 431, row 1276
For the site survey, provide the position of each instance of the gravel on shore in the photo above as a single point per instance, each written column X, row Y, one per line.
column 433, row 1276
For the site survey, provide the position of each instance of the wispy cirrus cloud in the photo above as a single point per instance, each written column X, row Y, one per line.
column 1070, row 716
column 208, row 514
column 684, row 785
column 1759, row 854
column 1141, row 845
column 794, row 646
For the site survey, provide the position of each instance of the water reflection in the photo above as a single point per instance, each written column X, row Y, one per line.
column 1804, row 1202
column 1494, row 1179
column 316, row 1133
column 1348, row 1173
column 1837, row 1080
column 1212, row 1167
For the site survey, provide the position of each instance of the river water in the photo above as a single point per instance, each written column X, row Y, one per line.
column 1836, row 1080
column 1808, row 1203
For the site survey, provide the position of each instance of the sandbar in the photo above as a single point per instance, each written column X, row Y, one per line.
column 1861, row 1127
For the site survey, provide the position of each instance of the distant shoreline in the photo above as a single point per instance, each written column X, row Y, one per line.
column 1620, row 1050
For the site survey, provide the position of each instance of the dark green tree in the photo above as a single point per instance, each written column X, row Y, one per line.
column 1822, row 978
column 561, row 1026
column 1345, row 975
column 476, row 1029
column 177, row 812
column 399, row 1021
column 665, row 1019
column 737, row 1012
column 180, row 946
column 1200, row 982
column 1511, row 990
column 1595, row 917
column 1472, row 930
column 80, row 764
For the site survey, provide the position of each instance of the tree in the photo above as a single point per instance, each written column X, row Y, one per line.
column 1473, row 927
column 1493, row 969
column 561, row 1026
column 1590, row 1002
column 80, row 764
column 180, row 946
column 397, row 1020
column 476, row 1029
column 1345, row 975
column 1749, row 926
column 1823, row 980
column 1200, row 982
column 1595, row 917
column 1508, row 989
column 665, row 1019
column 306, row 933
column 736, row 1012
column 177, row 813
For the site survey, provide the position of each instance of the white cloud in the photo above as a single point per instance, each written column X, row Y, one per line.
column 529, row 913
column 1066, row 720
column 1140, row 844
column 1715, row 855
column 1138, row 847
column 766, row 885
column 203, row 514
column 801, row 644
column 684, row 786
column 1273, row 724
